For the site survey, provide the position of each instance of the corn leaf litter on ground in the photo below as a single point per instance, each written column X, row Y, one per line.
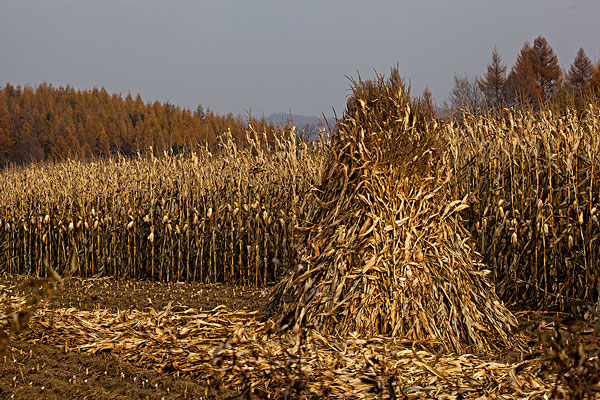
column 240, row 351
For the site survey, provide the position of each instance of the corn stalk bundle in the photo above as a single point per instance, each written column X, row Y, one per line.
column 383, row 249
column 533, row 181
column 208, row 217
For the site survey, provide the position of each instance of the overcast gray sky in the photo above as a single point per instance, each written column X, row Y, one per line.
column 275, row 55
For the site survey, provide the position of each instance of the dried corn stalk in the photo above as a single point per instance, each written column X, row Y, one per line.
column 383, row 249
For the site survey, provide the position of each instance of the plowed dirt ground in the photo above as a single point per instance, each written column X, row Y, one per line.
column 31, row 369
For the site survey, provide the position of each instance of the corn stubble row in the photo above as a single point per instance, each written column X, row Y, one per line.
column 222, row 348
column 204, row 218
column 236, row 349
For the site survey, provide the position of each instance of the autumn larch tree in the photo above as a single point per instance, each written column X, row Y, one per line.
column 493, row 83
column 534, row 74
column 521, row 82
column 545, row 66
column 48, row 123
column 426, row 101
column 578, row 79
column 6, row 140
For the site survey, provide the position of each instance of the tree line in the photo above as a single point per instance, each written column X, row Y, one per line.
column 49, row 123
column 535, row 80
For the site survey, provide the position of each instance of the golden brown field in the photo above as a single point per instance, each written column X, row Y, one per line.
column 403, row 257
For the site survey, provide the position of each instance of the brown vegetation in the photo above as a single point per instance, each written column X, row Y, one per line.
column 206, row 217
column 118, row 339
column 529, row 179
column 383, row 248
column 400, row 235
column 532, row 182
column 48, row 123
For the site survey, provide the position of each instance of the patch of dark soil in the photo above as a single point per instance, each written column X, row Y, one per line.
column 33, row 370
column 121, row 294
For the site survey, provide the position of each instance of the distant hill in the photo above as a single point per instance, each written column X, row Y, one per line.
column 299, row 120
column 307, row 123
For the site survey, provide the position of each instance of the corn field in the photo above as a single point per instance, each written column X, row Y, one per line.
column 533, row 181
column 226, row 217
column 530, row 180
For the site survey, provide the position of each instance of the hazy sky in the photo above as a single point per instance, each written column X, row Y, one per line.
column 275, row 55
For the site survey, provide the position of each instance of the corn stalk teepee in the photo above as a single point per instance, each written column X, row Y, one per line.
column 383, row 250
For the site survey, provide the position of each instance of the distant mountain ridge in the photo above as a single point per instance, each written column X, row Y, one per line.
column 308, row 123
column 299, row 120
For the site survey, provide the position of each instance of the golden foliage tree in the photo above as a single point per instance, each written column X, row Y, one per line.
column 581, row 71
column 534, row 74
column 48, row 123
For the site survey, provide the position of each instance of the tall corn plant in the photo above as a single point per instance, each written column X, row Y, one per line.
column 209, row 217
column 533, row 184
